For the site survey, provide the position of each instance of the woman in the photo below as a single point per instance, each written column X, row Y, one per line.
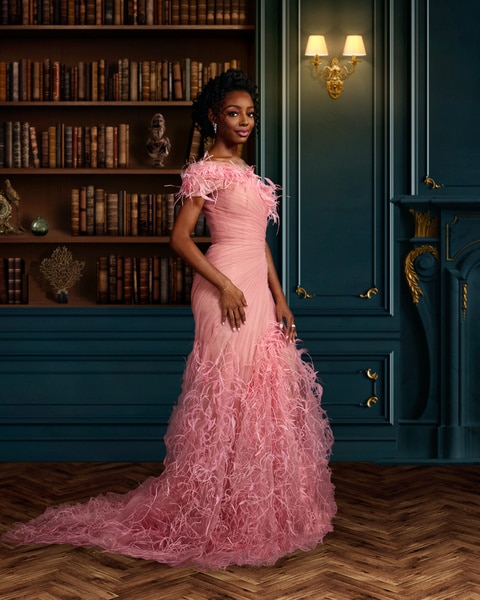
column 246, row 476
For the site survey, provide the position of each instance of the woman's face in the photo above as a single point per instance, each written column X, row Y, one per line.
column 236, row 118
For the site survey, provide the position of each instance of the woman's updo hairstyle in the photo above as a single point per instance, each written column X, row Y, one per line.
column 213, row 95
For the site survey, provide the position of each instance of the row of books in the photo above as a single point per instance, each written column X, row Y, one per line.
column 123, row 12
column 143, row 280
column 28, row 80
column 64, row 146
column 13, row 281
column 95, row 211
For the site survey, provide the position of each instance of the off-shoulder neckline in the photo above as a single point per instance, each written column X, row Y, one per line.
column 243, row 166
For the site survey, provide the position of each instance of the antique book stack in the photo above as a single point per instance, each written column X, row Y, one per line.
column 124, row 12
column 96, row 211
column 13, row 281
column 64, row 146
column 125, row 79
column 143, row 280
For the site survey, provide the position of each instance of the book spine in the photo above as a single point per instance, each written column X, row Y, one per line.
column 210, row 12
column 2, row 144
column 143, row 280
column 102, row 280
column 11, row 280
column 112, row 278
column 120, row 280
column 3, row 281
column 177, row 81
column 17, row 144
column 75, row 212
column 100, row 212
column 219, row 12
column 25, row 144
column 109, row 147
column 112, row 213
column 128, row 280
column 133, row 221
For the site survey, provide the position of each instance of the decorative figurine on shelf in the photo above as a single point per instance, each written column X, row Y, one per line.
column 158, row 144
column 10, row 210
column 62, row 272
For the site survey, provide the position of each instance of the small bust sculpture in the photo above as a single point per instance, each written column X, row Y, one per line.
column 158, row 144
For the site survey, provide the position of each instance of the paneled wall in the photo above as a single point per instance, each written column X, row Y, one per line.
column 339, row 240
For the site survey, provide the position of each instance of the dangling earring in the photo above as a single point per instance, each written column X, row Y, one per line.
column 215, row 128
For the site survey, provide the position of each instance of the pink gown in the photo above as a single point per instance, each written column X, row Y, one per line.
column 246, row 476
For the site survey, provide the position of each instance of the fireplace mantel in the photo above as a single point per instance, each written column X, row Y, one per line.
column 442, row 269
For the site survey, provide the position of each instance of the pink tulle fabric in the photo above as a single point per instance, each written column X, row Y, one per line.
column 246, row 476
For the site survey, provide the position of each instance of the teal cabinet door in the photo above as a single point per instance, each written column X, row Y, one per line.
column 446, row 112
column 338, row 220
column 339, row 217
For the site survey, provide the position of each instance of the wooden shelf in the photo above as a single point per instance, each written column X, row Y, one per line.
column 83, row 171
column 60, row 237
column 95, row 104
column 102, row 31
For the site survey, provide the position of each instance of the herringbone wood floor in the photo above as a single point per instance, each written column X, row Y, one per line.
column 408, row 533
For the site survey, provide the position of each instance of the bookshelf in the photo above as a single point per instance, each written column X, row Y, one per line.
column 45, row 188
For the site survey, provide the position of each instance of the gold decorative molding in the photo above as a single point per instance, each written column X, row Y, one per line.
column 424, row 225
column 410, row 273
column 449, row 237
column 464, row 300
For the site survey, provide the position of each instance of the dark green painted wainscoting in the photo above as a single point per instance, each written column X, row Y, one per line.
column 94, row 384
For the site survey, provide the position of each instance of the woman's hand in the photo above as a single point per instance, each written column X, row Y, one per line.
column 232, row 304
column 286, row 320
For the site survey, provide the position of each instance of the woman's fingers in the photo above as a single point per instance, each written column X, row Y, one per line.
column 233, row 307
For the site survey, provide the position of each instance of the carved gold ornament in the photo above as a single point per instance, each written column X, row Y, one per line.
column 410, row 273
column 425, row 227
column 464, row 300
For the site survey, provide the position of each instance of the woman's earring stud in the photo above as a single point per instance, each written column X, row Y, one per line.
column 215, row 128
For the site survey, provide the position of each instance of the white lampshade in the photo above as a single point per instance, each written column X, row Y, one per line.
column 354, row 46
column 316, row 45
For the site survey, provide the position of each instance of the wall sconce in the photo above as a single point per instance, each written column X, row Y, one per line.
column 335, row 74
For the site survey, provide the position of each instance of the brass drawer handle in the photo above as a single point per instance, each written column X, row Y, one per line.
column 369, row 293
column 300, row 291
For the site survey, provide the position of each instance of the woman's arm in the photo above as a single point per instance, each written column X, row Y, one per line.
column 232, row 300
column 284, row 314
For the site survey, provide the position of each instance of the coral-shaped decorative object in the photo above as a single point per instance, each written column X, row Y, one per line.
column 61, row 271
column 158, row 144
